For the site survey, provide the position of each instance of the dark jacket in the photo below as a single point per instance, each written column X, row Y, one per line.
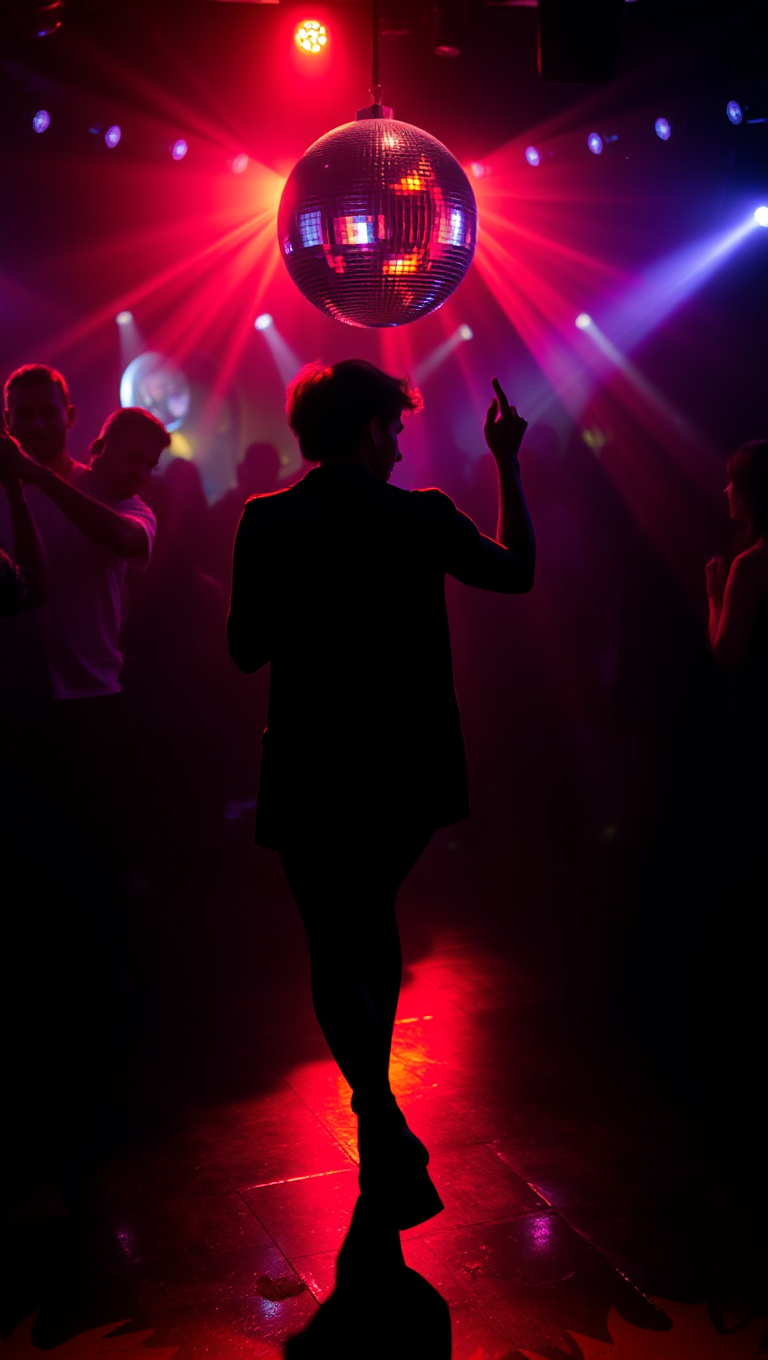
column 338, row 582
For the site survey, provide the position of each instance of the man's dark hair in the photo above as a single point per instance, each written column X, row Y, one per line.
column 139, row 418
column 36, row 373
column 329, row 407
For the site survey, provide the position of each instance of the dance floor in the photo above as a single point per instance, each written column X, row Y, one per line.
column 584, row 1212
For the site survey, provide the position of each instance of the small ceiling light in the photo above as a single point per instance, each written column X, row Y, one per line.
column 595, row 143
column 734, row 111
column 240, row 164
column 263, row 322
column 466, row 332
column 179, row 149
column 112, row 135
column 124, row 318
column 47, row 19
column 662, row 129
column 311, row 36
column 761, row 216
column 532, row 156
column 41, row 121
column 449, row 25
column 583, row 320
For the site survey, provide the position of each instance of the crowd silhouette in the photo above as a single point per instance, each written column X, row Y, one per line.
column 127, row 728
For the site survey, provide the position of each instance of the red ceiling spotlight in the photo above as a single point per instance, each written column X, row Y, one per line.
column 311, row 36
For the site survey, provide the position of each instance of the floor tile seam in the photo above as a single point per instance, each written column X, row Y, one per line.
column 433, row 1234
column 599, row 1251
column 270, row 1235
column 440, row 1267
column 327, row 1128
column 164, row 1267
column 296, row 1262
column 493, row 1222
column 194, row 1130
column 248, row 1206
column 493, row 1146
column 166, row 1316
column 292, row 1180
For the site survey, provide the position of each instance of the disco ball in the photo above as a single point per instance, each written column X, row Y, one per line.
column 157, row 384
column 377, row 223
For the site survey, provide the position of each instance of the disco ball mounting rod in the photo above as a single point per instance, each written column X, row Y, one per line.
column 375, row 86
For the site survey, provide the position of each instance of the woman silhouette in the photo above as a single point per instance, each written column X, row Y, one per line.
column 738, row 634
column 738, row 589
column 338, row 582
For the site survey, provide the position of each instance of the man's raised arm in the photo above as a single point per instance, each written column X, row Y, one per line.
column 118, row 533
column 506, row 563
column 504, row 430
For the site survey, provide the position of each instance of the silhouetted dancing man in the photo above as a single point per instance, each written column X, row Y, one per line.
column 339, row 584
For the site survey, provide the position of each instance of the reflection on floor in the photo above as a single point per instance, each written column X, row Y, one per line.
column 208, row 1219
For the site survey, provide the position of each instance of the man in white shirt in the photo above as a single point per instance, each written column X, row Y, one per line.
column 69, row 770
column 94, row 527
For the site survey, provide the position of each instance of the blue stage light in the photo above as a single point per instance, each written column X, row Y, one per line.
column 583, row 321
column 595, row 143
column 761, row 216
column 734, row 111
column 532, row 156
column 41, row 121
column 124, row 318
column 465, row 331
column 663, row 129
column 263, row 322
column 112, row 135
column 179, row 149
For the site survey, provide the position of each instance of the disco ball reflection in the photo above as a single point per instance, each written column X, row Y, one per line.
column 157, row 384
column 377, row 223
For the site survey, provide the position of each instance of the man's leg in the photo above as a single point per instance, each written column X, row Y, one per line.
column 347, row 901
column 386, row 868
column 346, row 897
column 333, row 907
